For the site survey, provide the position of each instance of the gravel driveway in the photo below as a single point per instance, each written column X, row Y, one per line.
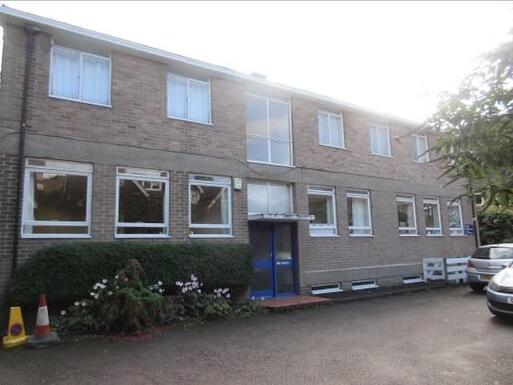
column 444, row 336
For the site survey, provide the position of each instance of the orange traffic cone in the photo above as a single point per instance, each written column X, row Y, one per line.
column 43, row 335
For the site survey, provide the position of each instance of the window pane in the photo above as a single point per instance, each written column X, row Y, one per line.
column 285, row 279
column 95, row 79
column 283, row 242
column 279, row 199
column 36, row 229
column 209, row 205
column 141, row 201
column 335, row 129
column 358, row 212
column 141, row 230
column 177, row 97
column 321, row 207
column 384, row 141
column 209, row 231
column 405, row 214
column 59, row 197
column 65, row 73
column 374, row 140
column 257, row 149
column 280, row 152
column 431, row 215
column 454, row 216
column 256, row 116
column 279, row 120
column 198, row 102
column 257, row 198
column 324, row 133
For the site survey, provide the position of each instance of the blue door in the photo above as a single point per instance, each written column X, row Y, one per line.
column 273, row 259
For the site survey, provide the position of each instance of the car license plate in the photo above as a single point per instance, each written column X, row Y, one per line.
column 486, row 277
column 509, row 300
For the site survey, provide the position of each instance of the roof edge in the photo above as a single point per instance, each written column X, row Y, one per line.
column 130, row 45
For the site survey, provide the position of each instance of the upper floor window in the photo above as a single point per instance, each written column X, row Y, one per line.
column 80, row 76
column 269, row 138
column 321, row 204
column 331, row 129
column 455, row 218
column 359, row 213
column 269, row 198
column 419, row 148
column 406, row 215
column 432, row 216
column 379, row 140
column 188, row 99
column 57, row 199
column 210, row 212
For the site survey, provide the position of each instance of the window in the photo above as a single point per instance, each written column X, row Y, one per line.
column 80, row 76
column 359, row 213
column 432, row 216
column 268, row 131
column 406, row 215
column 321, row 204
column 455, row 218
column 331, row 129
column 210, row 212
column 57, row 199
column 269, row 198
column 188, row 99
column 379, row 140
column 142, row 203
column 419, row 148
column 493, row 253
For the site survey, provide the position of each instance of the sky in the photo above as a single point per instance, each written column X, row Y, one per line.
column 394, row 57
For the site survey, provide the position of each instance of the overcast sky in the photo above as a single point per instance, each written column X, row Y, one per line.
column 391, row 56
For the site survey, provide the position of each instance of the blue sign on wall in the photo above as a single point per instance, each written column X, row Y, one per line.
column 469, row 229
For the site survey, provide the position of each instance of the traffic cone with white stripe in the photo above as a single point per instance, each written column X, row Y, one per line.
column 43, row 335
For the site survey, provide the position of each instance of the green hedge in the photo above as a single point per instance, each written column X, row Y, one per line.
column 496, row 227
column 65, row 272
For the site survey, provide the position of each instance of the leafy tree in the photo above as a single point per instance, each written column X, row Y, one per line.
column 474, row 128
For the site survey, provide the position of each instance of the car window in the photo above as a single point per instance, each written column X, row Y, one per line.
column 493, row 253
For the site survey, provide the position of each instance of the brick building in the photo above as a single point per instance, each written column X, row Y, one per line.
column 123, row 141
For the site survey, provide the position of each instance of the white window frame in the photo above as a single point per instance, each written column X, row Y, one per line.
column 127, row 173
column 268, row 137
column 342, row 135
column 50, row 166
column 408, row 199
column 380, row 127
column 268, row 184
column 437, row 230
column 361, row 195
column 324, row 230
column 82, row 54
column 424, row 155
column 456, row 231
column 189, row 80
column 217, row 181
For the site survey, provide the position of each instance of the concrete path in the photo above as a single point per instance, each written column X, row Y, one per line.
column 445, row 336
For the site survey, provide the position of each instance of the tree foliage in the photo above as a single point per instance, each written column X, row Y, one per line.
column 474, row 129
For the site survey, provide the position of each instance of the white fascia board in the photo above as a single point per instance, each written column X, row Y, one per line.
column 15, row 16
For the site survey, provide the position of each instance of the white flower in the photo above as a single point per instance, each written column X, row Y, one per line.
column 63, row 312
column 228, row 295
column 77, row 303
column 253, row 298
column 84, row 303
column 92, row 294
column 184, row 289
column 104, row 280
column 178, row 283
column 95, row 286
column 226, row 290
column 193, row 277
column 161, row 291
column 199, row 290
column 109, row 293
column 159, row 283
column 116, row 277
column 117, row 287
column 262, row 298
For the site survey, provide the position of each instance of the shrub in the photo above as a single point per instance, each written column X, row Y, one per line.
column 67, row 271
column 122, row 304
column 496, row 227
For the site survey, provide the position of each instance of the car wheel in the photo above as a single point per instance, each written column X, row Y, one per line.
column 477, row 287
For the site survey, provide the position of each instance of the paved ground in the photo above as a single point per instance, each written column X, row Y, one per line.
column 445, row 336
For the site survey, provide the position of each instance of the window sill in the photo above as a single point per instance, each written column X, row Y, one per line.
column 56, row 236
column 192, row 236
column 271, row 164
column 418, row 162
column 459, row 236
column 409, row 235
column 335, row 147
column 361, row 235
column 381, row 155
column 325, row 236
column 435, row 235
column 141, row 236
column 190, row 121
column 80, row 101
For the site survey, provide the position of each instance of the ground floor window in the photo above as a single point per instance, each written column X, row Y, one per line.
column 432, row 216
column 321, row 204
column 406, row 215
column 142, row 198
column 359, row 213
column 269, row 198
column 455, row 218
column 57, row 199
column 210, row 206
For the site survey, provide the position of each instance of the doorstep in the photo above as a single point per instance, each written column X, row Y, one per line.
column 294, row 302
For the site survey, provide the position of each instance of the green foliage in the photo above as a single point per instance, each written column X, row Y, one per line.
column 496, row 226
column 475, row 127
column 248, row 309
column 67, row 271
column 122, row 304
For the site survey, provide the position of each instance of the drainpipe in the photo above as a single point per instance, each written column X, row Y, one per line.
column 32, row 31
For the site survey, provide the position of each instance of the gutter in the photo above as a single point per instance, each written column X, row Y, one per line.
column 32, row 31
